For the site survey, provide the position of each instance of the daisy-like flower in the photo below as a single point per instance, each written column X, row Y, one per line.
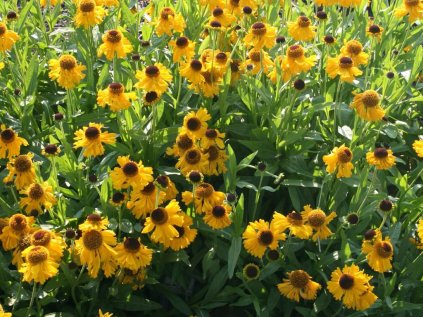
column 379, row 252
column 51, row 150
column 43, row 3
column 374, row 30
column 301, row 30
column 118, row 199
column 344, row 67
column 108, row 3
column 162, row 221
column 17, row 227
column 220, row 64
column 183, row 143
column 182, row 48
column 24, row 242
column 39, row 266
column 381, row 158
column 212, row 137
column 3, row 313
column 7, row 38
column 260, row 235
column 192, row 159
column 94, row 222
column 52, row 242
column 169, row 22
column 354, row 50
column 325, row 3
column 143, row 201
column 150, row 98
column 260, row 35
column 340, row 161
column 116, row 97
column 91, row 139
column 89, row 14
column 251, row 271
column 237, row 69
column 95, row 249
column 130, row 173
column 186, row 235
column 205, row 198
column 38, row 196
column 131, row 254
column 10, row 142
column 367, row 106
column 299, row 284
column 258, row 60
column 420, row 229
column 218, row 217
column 192, row 71
column 213, row 3
column 66, row 71
column 114, row 43
column 23, row 168
column 101, row 314
column 418, row 147
column 165, row 184
column 223, row 16
column 295, row 222
column 351, row 285
column 154, row 78
column 318, row 221
column 349, row 3
column 195, row 123
column 210, row 87
column 412, row 8
column 215, row 161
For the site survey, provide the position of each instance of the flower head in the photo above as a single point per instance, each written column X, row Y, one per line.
column 91, row 139
column 66, row 71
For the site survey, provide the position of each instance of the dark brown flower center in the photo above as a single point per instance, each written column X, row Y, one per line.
column 114, row 36
column 255, row 57
column 251, row 271
column 354, row 48
column 369, row 234
column 385, row 205
column 149, row 189
column 345, row 156
column 273, row 255
column 152, row 71
column 94, row 218
column 36, row 192
column 41, row 237
column 303, row 21
column 22, row 164
column 196, row 65
column 18, row 222
column 412, row 3
column 194, row 124
column 258, row 28
column 193, row 156
column 195, row 177
column 67, row 62
column 204, row 190
column 24, row 242
column 37, row 255
column 87, row 6
column 181, row 231
column 182, row 42
column 184, row 142
column 384, row 249
column 7, row 136
column 329, row 39
column 92, row 133
column 370, row 98
column 381, row 153
column 132, row 245
column 163, row 181
column 295, row 51
column 130, row 169
column 221, row 58
column 352, row 219
column 346, row 281
column 217, row 12
column 218, row 211
column 92, row 239
column 375, row 29
column 151, row 96
column 51, row 149
column 2, row 29
column 299, row 279
column 316, row 218
column 265, row 237
column 345, row 62
column 159, row 216
column 166, row 12
column 116, row 88
column 215, row 24
column 235, row 66
column 213, row 152
column 295, row 218
column 211, row 134
column 118, row 197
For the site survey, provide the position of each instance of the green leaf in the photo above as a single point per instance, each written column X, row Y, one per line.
column 233, row 255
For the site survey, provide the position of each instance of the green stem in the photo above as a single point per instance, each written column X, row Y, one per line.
column 257, row 199
column 31, row 302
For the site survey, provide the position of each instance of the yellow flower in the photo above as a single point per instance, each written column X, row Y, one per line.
column 295, row 223
column 260, row 235
column 412, row 8
column 258, row 60
column 326, row 3
column 349, row 3
column 154, row 78
column 24, row 242
column 213, row 3
column 182, row 48
column 94, row 222
column 100, row 314
column 43, row 3
column 10, row 142
column 301, row 30
column 51, row 150
column 131, row 254
column 39, row 266
column 7, row 38
column 162, row 221
column 381, row 158
column 318, row 221
column 89, row 14
column 95, row 249
column 354, row 50
column 186, row 235
column 130, row 173
column 418, row 147
column 143, row 201
column 237, row 69
column 352, row 286
column 66, row 71
column 260, row 35
column 182, row 144
column 108, row 3
column 374, row 30
column 223, row 16
column 23, row 168
column 116, row 97
column 420, row 229
column 17, row 227
column 205, row 198
column 218, row 217
column 114, row 42
column 344, row 67
column 379, row 252
column 3, row 313
column 251, row 271
column 192, row 71
column 91, row 139
column 367, row 106
column 195, row 123
column 298, row 284
column 215, row 161
column 212, row 137
column 38, row 196
column 52, row 242
column 150, row 98
column 192, row 159
column 339, row 160
column 169, row 22
column 210, row 86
